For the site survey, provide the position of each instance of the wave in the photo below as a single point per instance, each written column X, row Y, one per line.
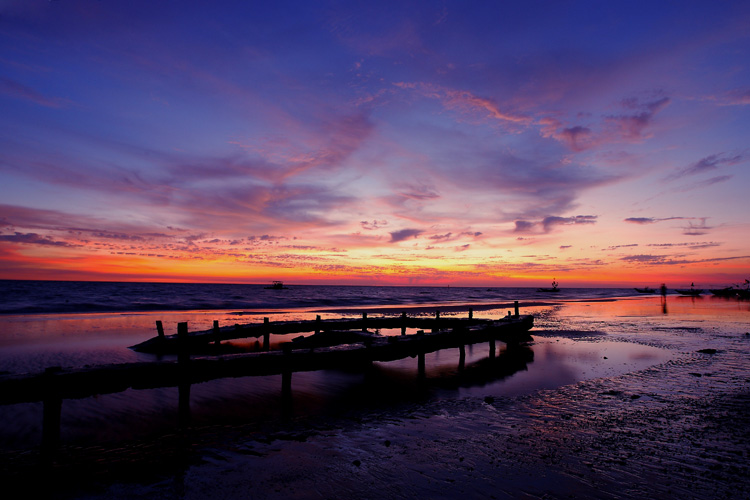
column 55, row 297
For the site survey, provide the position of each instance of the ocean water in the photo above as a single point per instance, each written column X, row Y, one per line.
column 47, row 297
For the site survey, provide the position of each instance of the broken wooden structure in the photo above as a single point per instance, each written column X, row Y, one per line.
column 332, row 344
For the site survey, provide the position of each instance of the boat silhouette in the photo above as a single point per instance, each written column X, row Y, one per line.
column 553, row 289
column 277, row 285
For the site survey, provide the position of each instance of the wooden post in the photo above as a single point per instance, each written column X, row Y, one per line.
column 461, row 357
column 364, row 321
column 471, row 313
column 492, row 348
column 515, row 305
column 183, row 359
column 403, row 323
column 317, row 323
column 52, row 412
column 420, row 365
column 266, row 335
column 183, row 353
column 217, row 340
column 160, row 329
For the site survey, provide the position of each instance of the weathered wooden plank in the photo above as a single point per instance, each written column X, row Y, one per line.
column 84, row 382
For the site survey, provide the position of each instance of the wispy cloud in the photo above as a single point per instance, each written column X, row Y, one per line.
column 549, row 223
column 696, row 229
column 33, row 239
column 652, row 220
column 465, row 102
column 632, row 126
column 708, row 164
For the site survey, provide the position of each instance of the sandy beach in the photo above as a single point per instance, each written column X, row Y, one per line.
column 605, row 422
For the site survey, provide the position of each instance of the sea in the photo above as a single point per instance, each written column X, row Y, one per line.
column 76, row 297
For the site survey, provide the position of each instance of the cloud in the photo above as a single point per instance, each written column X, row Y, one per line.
column 328, row 143
column 692, row 246
column 465, row 102
column 419, row 192
column 736, row 97
column 550, row 222
column 650, row 259
column 666, row 260
column 615, row 247
column 524, row 226
column 442, row 237
column 632, row 126
column 641, row 220
column 652, row 220
column 33, row 239
column 542, row 185
column 375, row 224
column 693, row 229
column 404, row 234
column 577, row 138
column 708, row 164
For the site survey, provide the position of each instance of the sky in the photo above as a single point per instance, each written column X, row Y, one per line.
column 461, row 143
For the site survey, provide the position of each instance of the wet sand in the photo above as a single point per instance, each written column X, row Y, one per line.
column 673, row 429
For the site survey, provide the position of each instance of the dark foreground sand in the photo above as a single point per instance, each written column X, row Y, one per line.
column 676, row 430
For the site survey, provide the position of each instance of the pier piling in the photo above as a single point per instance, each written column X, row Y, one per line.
column 266, row 335
column 217, row 339
column 183, row 350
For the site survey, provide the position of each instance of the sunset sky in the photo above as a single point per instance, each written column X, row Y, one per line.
column 505, row 143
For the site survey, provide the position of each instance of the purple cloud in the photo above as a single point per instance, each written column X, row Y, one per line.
column 708, row 164
column 33, row 239
column 405, row 234
column 641, row 220
column 550, row 222
column 524, row 226
column 632, row 126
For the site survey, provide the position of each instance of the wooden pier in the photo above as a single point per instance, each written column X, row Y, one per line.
column 333, row 344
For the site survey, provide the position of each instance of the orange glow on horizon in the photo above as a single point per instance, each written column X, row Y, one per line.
column 79, row 265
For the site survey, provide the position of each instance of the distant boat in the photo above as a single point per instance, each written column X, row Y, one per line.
column 553, row 289
column 276, row 285
column 692, row 291
column 645, row 290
